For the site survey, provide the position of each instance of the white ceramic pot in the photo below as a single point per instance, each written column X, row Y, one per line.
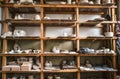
column 37, row 17
column 108, row 34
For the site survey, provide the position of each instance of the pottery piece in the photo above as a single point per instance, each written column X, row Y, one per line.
column 108, row 34
column 37, row 17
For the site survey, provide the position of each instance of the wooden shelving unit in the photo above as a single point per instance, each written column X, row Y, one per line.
column 42, row 9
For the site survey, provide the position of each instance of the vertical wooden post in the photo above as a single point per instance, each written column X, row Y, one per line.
column 42, row 42
column 5, row 29
column 78, row 42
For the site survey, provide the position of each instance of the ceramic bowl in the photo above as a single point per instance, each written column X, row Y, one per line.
column 108, row 34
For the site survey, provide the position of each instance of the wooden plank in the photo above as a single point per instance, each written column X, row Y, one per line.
column 23, row 38
column 61, row 54
column 96, row 38
column 59, row 38
column 9, row 55
column 60, row 71
column 31, row 71
column 97, row 55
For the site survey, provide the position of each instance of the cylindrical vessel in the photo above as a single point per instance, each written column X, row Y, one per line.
column 69, row 1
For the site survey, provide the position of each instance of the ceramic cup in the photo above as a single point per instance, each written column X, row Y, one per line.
column 108, row 34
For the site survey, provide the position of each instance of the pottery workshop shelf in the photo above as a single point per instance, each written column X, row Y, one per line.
column 54, row 38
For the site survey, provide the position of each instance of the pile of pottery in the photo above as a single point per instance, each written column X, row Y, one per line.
column 53, row 77
column 93, row 51
column 23, row 77
column 89, row 67
column 16, row 33
column 68, row 64
column 57, row 50
column 22, row 17
column 27, row 51
column 94, row 2
column 25, row 64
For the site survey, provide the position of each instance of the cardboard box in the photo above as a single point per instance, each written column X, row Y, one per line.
column 26, row 66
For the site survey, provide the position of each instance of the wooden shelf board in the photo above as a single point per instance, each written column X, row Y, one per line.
column 110, row 22
column 21, row 5
column 79, row 6
column 98, row 71
column 61, row 54
column 65, row 70
column 97, row 55
column 23, row 38
column 91, row 6
column 97, row 38
column 60, row 25
column 20, row 54
column 61, row 5
column 32, row 10
column 59, row 21
column 59, row 38
column 32, row 71
column 58, row 6
column 99, row 22
column 23, row 21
